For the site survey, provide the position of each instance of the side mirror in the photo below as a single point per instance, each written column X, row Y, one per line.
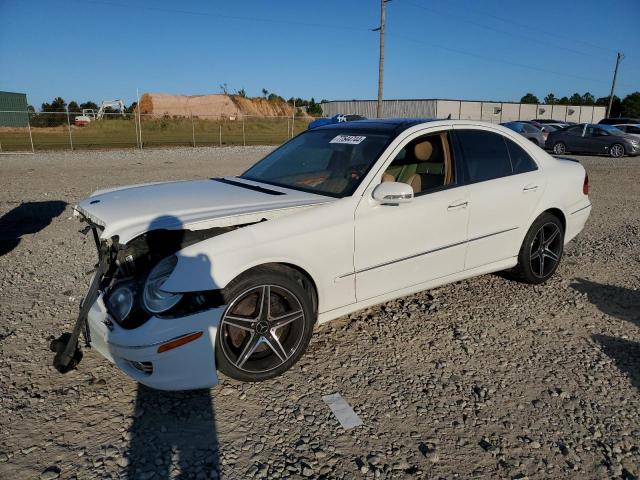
column 391, row 193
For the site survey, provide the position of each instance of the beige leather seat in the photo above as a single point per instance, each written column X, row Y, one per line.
column 422, row 166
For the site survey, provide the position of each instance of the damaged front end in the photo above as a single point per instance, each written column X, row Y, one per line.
column 127, row 277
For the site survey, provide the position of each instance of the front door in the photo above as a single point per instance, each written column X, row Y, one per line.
column 402, row 245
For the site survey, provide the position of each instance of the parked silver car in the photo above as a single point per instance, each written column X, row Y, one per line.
column 630, row 129
column 527, row 130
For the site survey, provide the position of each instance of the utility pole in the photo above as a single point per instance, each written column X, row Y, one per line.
column 619, row 57
column 381, row 58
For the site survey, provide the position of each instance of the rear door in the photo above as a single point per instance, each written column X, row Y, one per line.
column 504, row 186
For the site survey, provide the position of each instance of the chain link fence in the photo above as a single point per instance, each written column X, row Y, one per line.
column 74, row 131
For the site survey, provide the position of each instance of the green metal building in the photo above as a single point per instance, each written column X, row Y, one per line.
column 13, row 109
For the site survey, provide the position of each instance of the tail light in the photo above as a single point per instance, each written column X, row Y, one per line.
column 585, row 185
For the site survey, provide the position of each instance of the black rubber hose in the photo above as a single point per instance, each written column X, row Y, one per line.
column 68, row 354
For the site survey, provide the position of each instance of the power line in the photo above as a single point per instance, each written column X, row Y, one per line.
column 341, row 27
column 498, row 30
column 495, row 60
column 546, row 32
column 222, row 15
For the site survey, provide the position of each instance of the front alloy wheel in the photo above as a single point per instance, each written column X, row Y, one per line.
column 266, row 326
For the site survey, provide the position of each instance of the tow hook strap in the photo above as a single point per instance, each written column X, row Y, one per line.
column 68, row 354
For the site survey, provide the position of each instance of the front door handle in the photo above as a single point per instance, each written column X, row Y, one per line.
column 458, row 205
column 530, row 188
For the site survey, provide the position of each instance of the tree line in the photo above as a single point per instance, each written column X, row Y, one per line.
column 55, row 113
column 629, row 106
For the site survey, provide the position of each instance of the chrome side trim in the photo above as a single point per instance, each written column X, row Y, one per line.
column 580, row 209
column 444, row 247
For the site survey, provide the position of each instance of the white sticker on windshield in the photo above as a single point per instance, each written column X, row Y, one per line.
column 348, row 139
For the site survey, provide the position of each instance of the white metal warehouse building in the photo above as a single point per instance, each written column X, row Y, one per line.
column 494, row 112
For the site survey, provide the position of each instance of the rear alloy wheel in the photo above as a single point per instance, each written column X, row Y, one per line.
column 266, row 326
column 616, row 150
column 541, row 250
column 559, row 148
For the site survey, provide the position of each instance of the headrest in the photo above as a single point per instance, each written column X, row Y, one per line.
column 423, row 151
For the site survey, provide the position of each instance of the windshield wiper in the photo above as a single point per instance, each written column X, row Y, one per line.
column 255, row 188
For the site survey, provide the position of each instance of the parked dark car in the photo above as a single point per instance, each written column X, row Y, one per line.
column 320, row 122
column 527, row 130
column 592, row 138
column 618, row 121
column 549, row 120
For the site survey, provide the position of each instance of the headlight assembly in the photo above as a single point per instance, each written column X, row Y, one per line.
column 120, row 302
column 156, row 300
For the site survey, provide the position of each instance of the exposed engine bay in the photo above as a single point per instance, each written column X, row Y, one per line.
column 126, row 267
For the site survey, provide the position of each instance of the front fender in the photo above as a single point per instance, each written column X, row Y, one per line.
column 319, row 241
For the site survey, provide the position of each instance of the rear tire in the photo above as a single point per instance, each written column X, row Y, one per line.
column 267, row 324
column 559, row 148
column 616, row 150
column 541, row 250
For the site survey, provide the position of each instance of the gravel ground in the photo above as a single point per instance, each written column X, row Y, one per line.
column 482, row 378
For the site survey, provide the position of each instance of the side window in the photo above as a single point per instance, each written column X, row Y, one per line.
column 574, row 131
column 595, row 132
column 632, row 129
column 530, row 128
column 520, row 160
column 485, row 154
column 425, row 163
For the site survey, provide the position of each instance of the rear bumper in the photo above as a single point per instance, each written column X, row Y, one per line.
column 576, row 220
column 135, row 351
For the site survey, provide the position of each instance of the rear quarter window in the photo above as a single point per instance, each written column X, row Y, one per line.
column 521, row 161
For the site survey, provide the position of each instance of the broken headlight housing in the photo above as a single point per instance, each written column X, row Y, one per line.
column 155, row 299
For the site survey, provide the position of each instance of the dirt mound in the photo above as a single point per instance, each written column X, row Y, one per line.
column 212, row 105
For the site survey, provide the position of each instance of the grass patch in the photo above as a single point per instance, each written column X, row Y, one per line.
column 121, row 133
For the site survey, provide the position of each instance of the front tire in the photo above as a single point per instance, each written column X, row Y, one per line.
column 559, row 148
column 541, row 250
column 616, row 150
column 266, row 326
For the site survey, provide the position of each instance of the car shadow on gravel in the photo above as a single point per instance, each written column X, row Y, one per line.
column 173, row 431
column 622, row 303
column 26, row 218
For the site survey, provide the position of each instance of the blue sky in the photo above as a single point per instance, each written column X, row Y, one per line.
column 485, row 50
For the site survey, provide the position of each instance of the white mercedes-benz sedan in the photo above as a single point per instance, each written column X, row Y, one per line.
column 231, row 274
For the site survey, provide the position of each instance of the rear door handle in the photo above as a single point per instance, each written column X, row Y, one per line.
column 530, row 188
column 458, row 205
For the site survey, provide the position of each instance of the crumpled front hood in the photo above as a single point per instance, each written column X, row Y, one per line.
column 197, row 204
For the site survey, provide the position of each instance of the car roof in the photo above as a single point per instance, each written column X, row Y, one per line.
column 390, row 125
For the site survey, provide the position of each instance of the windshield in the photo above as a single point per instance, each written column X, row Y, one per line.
column 329, row 162
column 611, row 129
